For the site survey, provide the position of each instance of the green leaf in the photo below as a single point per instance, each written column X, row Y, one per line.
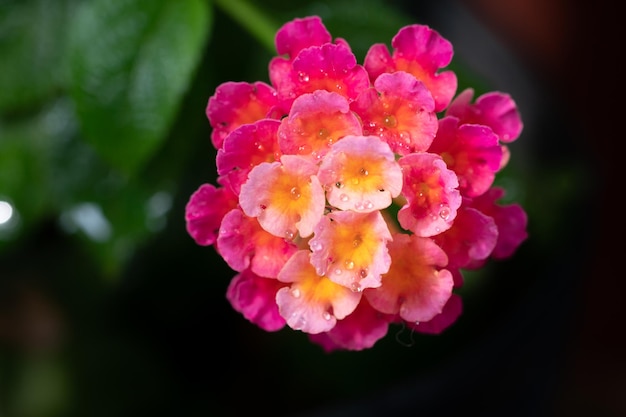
column 33, row 48
column 131, row 63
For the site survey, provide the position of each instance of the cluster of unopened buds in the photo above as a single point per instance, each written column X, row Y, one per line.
column 350, row 197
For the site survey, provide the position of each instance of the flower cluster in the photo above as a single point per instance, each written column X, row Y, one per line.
column 350, row 197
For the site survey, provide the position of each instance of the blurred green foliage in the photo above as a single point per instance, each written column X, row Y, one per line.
column 103, row 137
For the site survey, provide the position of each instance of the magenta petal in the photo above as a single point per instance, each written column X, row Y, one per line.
column 360, row 330
column 511, row 221
column 494, row 109
column 416, row 286
column 470, row 150
column 298, row 34
column 451, row 312
column 244, row 244
column 431, row 192
column 423, row 44
column 471, row 238
column 246, row 147
column 238, row 103
column 254, row 297
column 378, row 60
column 204, row 212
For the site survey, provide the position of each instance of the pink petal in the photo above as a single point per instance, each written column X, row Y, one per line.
column 351, row 248
column 472, row 237
column 254, row 297
column 315, row 122
column 246, row 147
column 399, row 109
column 312, row 303
column 237, row 103
column 420, row 51
column 358, row 331
column 360, row 173
column 494, row 109
column 301, row 33
column 451, row 312
column 244, row 244
column 510, row 219
column 416, row 287
column 204, row 212
column 472, row 151
column 285, row 196
column 430, row 189
column 330, row 67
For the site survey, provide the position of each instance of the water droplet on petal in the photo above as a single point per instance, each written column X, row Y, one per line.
column 363, row 272
column 444, row 212
column 339, row 184
column 349, row 264
column 289, row 235
column 390, row 121
column 338, row 271
column 295, row 193
column 355, row 286
column 316, row 246
column 295, row 293
column 344, row 197
column 327, row 316
column 303, row 77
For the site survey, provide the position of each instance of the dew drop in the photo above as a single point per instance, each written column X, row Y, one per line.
column 296, row 293
column 295, row 193
column 364, row 172
column 316, row 246
column 304, row 149
column 355, row 286
column 349, row 264
column 327, row 316
column 357, row 241
column 363, row 273
column 303, row 77
column 338, row 271
column 368, row 205
column 323, row 133
column 355, row 181
column 289, row 235
column 444, row 212
column 339, row 184
column 344, row 198
column 390, row 121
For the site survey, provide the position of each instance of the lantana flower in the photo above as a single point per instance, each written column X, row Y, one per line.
column 351, row 197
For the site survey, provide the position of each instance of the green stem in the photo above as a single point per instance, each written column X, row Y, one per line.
column 258, row 24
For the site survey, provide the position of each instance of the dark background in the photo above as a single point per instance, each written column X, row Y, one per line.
column 137, row 323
